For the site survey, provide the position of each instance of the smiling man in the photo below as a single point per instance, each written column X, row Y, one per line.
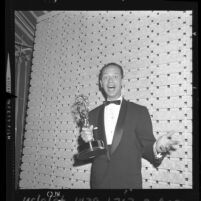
column 126, row 130
column 111, row 78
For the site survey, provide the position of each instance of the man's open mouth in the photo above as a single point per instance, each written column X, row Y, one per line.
column 111, row 87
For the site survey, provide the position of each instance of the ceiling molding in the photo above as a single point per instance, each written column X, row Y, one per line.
column 24, row 30
column 34, row 15
column 27, row 20
column 23, row 23
column 48, row 15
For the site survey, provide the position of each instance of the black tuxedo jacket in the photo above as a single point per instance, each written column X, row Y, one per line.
column 120, row 166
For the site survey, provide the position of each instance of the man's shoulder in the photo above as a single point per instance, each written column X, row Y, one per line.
column 135, row 106
column 96, row 109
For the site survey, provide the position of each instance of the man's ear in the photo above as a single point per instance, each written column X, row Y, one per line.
column 101, row 84
column 122, row 83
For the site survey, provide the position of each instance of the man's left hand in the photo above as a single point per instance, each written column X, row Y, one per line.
column 165, row 143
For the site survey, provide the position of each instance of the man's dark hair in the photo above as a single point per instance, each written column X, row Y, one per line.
column 111, row 64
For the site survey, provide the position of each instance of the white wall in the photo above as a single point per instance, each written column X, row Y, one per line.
column 154, row 48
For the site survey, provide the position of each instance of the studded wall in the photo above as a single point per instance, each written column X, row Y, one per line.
column 155, row 50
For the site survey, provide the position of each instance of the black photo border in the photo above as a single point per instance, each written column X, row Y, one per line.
column 13, row 194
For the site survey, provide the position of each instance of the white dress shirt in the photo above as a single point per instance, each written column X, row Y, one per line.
column 111, row 114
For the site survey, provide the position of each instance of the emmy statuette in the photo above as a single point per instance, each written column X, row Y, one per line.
column 80, row 111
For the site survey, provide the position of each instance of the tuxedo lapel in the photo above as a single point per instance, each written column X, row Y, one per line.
column 101, row 129
column 119, row 126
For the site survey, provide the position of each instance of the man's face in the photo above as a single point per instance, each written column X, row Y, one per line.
column 111, row 82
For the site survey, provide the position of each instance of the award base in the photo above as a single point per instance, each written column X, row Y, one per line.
column 90, row 150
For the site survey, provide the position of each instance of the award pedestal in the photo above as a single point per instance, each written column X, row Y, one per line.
column 91, row 149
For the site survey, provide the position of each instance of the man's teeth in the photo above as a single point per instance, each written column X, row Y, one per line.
column 111, row 88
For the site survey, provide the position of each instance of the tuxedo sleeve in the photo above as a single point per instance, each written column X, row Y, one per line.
column 146, row 137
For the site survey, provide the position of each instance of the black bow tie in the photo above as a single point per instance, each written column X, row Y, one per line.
column 117, row 102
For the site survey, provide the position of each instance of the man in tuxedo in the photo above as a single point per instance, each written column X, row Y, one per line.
column 126, row 130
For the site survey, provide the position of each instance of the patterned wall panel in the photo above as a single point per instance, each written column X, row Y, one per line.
column 154, row 48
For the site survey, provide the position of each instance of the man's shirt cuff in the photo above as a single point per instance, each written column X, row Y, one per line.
column 156, row 155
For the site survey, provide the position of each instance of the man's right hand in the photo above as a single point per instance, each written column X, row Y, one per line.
column 87, row 133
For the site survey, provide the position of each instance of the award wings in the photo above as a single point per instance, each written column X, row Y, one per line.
column 80, row 111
